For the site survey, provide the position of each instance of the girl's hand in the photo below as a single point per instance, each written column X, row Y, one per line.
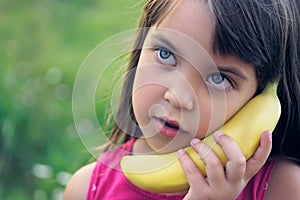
column 223, row 183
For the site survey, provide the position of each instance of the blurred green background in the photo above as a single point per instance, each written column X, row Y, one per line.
column 42, row 45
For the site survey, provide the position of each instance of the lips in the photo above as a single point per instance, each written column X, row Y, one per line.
column 167, row 128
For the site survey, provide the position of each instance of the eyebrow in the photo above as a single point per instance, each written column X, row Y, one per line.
column 234, row 71
column 165, row 41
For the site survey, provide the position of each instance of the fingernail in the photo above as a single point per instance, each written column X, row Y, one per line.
column 195, row 141
column 270, row 135
column 180, row 152
column 218, row 134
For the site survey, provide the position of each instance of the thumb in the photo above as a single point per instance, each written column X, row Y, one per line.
column 260, row 156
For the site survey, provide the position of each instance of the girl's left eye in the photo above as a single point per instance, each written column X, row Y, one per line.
column 165, row 57
column 219, row 81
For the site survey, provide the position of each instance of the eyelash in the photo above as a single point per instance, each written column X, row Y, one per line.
column 224, row 78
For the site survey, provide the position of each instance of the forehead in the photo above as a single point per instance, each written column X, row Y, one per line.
column 192, row 18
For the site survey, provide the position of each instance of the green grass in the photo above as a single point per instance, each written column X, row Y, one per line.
column 43, row 44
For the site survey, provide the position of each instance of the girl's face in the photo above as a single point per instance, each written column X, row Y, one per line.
column 182, row 89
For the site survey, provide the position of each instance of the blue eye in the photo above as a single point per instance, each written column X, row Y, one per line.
column 219, row 81
column 165, row 57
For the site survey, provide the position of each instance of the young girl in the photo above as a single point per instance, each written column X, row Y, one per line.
column 191, row 59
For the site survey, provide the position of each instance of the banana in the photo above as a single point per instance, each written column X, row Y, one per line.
column 164, row 174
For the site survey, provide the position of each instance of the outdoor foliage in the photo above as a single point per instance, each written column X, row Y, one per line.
column 43, row 44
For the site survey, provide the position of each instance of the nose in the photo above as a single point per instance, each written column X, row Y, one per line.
column 179, row 99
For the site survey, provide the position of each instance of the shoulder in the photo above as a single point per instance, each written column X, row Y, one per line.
column 285, row 181
column 77, row 187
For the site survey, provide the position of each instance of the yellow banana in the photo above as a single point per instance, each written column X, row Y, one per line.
column 164, row 174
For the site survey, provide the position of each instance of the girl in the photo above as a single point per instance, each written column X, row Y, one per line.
column 191, row 59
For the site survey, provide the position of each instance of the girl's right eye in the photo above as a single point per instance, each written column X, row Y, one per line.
column 165, row 57
column 219, row 81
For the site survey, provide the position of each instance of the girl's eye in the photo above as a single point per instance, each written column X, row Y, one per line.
column 165, row 57
column 219, row 81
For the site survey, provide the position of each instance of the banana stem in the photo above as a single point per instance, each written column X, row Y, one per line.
column 271, row 88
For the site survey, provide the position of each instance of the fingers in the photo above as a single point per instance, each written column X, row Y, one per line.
column 235, row 165
column 236, row 162
column 237, row 171
column 260, row 156
column 190, row 169
column 214, row 170
column 214, row 167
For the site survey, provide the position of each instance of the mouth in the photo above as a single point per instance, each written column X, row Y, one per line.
column 170, row 124
column 167, row 128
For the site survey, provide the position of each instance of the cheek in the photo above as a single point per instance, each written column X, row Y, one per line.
column 204, row 122
column 143, row 100
column 212, row 114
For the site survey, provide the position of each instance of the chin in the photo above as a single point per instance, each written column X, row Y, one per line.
column 163, row 147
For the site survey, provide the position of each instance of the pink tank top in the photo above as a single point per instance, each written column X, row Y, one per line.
column 257, row 187
column 109, row 183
